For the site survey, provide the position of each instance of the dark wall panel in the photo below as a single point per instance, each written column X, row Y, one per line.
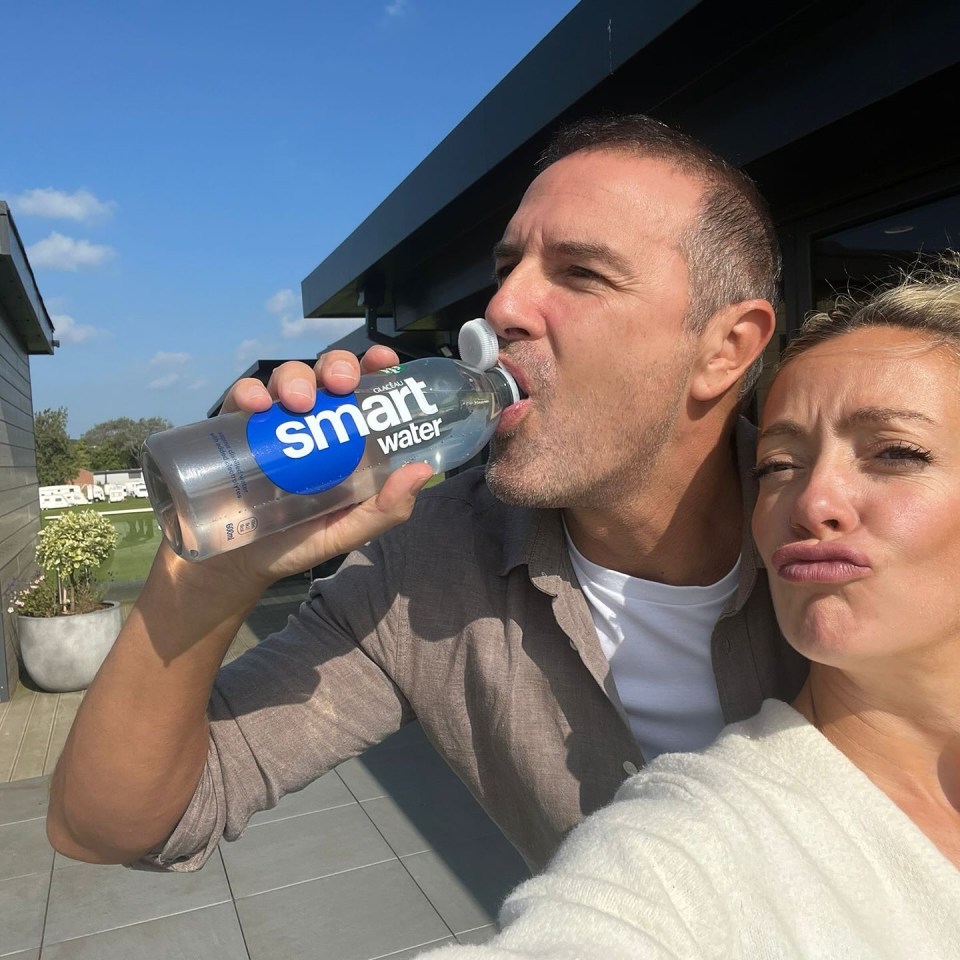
column 19, row 505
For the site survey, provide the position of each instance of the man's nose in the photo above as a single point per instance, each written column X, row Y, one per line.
column 516, row 310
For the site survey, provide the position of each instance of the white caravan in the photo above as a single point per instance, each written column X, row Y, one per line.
column 70, row 493
column 94, row 493
column 114, row 492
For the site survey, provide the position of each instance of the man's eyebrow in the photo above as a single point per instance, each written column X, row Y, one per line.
column 569, row 249
column 507, row 250
column 864, row 416
column 591, row 252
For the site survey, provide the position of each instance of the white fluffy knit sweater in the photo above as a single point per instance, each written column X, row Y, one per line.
column 769, row 844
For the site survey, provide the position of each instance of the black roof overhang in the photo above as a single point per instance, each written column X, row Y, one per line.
column 19, row 295
column 751, row 79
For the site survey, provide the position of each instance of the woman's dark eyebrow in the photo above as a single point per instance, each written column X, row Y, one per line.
column 865, row 415
column 781, row 428
column 884, row 415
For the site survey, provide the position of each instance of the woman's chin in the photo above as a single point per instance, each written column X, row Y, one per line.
column 830, row 635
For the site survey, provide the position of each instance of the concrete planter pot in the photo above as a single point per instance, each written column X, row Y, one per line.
column 65, row 653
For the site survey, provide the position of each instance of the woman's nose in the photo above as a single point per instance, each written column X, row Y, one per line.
column 825, row 503
column 516, row 309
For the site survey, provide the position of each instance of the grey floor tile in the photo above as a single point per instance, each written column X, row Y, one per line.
column 302, row 848
column 24, row 849
column 91, row 898
column 212, row 933
column 443, row 813
column 418, row 951
column 365, row 913
column 22, row 955
column 406, row 736
column 468, row 882
column 24, row 799
column 414, row 798
column 381, row 772
column 479, row 935
column 23, row 902
column 329, row 791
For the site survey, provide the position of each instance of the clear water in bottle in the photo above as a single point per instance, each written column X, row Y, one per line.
column 225, row 482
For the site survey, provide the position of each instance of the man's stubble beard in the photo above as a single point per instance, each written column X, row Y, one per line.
column 557, row 473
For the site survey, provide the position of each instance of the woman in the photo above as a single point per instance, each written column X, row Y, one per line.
column 830, row 828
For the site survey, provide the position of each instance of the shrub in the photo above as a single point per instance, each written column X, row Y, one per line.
column 70, row 551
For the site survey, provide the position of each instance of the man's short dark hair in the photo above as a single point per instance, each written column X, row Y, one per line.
column 731, row 251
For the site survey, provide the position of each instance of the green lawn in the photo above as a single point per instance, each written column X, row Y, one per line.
column 138, row 537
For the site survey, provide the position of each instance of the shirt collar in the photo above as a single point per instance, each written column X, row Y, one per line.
column 535, row 537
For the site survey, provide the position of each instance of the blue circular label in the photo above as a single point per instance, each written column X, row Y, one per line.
column 309, row 453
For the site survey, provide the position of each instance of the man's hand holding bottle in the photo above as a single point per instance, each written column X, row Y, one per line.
column 309, row 544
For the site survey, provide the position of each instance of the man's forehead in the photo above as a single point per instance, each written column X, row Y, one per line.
column 620, row 172
column 600, row 183
column 604, row 198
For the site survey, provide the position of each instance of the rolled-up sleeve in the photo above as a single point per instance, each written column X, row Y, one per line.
column 305, row 699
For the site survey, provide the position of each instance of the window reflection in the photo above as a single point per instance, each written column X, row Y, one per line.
column 859, row 257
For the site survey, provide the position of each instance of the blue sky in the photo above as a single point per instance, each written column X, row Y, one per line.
column 176, row 169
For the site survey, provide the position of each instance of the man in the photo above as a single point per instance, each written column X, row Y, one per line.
column 596, row 601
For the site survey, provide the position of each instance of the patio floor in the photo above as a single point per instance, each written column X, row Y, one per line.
column 381, row 857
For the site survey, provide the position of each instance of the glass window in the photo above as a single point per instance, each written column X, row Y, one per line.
column 858, row 258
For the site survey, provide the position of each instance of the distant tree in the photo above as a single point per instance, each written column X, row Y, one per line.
column 108, row 455
column 116, row 444
column 150, row 425
column 81, row 454
column 56, row 456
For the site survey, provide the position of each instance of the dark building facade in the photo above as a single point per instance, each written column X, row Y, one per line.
column 842, row 112
column 25, row 329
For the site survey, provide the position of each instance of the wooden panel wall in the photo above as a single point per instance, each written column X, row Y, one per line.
column 19, row 499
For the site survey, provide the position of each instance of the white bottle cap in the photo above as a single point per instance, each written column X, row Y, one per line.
column 478, row 344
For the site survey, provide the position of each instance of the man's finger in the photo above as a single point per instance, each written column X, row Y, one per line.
column 338, row 371
column 378, row 357
column 392, row 505
column 294, row 384
column 247, row 394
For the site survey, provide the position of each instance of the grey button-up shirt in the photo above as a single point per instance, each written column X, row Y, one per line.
column 468, row 617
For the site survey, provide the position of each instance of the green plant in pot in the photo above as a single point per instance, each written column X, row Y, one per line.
column 65, row 628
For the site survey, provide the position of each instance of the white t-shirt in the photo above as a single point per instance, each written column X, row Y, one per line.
column 656, row 638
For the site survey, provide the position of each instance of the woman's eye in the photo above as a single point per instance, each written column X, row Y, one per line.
column 768, row 467
column 905, row 453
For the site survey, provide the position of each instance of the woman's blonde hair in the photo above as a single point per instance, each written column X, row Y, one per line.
column 924, row 299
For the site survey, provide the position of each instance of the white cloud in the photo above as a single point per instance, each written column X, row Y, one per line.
column 67, row 330
column 162, row 383
column 58, row 252
column 282, row 301
column 250, row 350
column 183, row 379
column 301, row 326
column 161, row 359
column 321, row 329
column 396, row 8
column 285, row 305
column 47, row 202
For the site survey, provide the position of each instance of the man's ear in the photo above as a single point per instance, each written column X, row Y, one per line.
column 735, row 336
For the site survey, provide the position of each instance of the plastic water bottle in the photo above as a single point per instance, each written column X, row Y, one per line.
column 225, row 482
